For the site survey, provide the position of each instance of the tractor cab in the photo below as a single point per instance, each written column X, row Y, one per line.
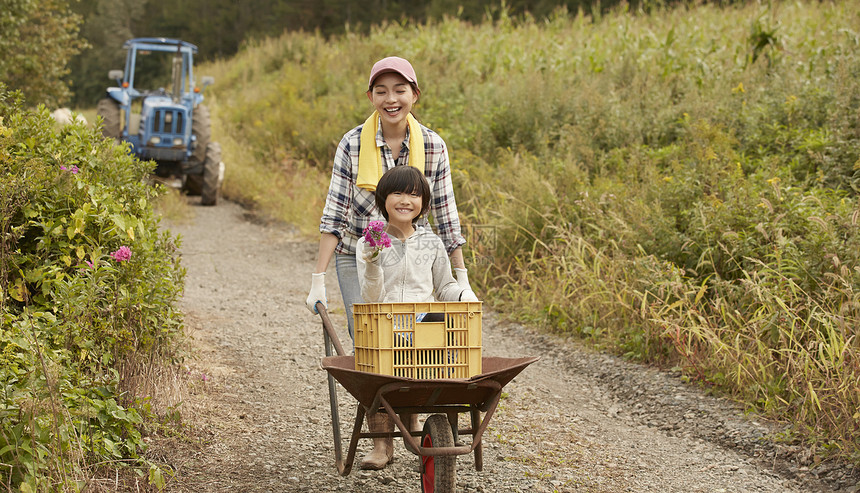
column 156, row 108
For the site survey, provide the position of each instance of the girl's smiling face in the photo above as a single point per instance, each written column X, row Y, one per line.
column 402, row 195
column 393, row 97
column 403, row 207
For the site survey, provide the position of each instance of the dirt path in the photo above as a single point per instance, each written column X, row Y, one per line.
column 257, row 404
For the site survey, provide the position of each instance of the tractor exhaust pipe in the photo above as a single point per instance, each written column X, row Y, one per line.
column 177, row 74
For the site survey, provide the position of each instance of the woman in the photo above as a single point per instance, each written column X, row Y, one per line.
column 390, row 137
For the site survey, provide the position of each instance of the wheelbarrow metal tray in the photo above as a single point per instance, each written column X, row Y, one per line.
column 497, row 372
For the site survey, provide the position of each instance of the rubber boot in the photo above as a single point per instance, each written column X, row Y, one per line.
column 383, row 448
column 411, row 422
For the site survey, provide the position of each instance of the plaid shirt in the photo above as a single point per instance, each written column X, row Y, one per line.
column 349, row 209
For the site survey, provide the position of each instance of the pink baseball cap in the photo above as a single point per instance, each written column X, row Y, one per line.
column 392, row 64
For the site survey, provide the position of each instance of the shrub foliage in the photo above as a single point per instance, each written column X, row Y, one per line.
column 74, row 308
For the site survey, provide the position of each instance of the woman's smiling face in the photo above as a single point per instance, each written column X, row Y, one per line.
column 393, row 97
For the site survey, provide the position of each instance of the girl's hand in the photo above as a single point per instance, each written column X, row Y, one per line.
column 370, row 255
column 376, row 239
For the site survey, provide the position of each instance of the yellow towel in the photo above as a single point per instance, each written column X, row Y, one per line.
column 370, row 157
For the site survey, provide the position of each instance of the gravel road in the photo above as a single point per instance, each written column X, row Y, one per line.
column 257, row 419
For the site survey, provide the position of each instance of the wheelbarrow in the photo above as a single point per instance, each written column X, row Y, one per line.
column 439, row 443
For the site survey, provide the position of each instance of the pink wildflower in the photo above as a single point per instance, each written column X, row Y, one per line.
column 74, row 169
column 89, row 266
column 376, row 237
column 122, row 254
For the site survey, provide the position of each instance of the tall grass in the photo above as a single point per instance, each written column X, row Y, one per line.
column 678, row 186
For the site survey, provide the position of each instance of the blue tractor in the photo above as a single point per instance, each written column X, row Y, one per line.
column 157, row 109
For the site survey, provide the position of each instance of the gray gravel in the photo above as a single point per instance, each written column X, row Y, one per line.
column 575, row 421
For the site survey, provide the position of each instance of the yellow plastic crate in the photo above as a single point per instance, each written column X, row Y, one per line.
column 389, row 341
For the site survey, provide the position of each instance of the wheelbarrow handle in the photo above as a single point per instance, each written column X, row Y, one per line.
column 329, row 330
column 330, row 339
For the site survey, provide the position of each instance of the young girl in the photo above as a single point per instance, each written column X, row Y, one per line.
column 415, row 267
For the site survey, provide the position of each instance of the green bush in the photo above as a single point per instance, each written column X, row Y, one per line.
column 75, row 309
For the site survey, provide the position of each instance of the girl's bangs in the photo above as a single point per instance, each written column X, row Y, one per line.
column 409, row 183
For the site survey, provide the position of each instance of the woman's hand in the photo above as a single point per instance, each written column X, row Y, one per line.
column 463, row 281
column 462, row 278
column 468, row 295
column 317, row 292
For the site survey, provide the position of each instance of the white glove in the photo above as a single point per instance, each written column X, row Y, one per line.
column 463, row 282
column 317, row 292
column 468, row 295
column 462, row 278
column 367, row 255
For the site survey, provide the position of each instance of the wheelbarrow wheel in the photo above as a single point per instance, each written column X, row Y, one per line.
column 438, row 473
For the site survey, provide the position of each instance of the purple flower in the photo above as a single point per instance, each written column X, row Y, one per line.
column 122, row 254
column 74, row 169
column 376, row 237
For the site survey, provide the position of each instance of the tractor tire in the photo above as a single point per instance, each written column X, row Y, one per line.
column 193, row 184
column 108, row 109
column 213, row 174
column 201, row 127
column 438, row 473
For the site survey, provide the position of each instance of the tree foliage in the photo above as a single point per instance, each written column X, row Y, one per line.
column 37, row 38
column 220, row 27
column 108, row 24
